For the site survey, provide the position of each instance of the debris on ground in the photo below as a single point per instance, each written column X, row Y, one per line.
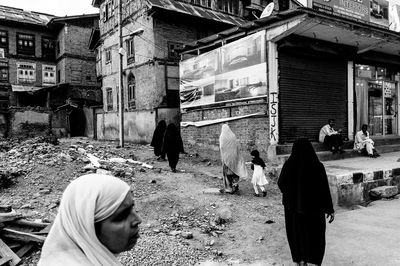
column 19, row 236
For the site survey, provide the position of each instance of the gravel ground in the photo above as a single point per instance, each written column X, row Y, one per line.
column 172, row 205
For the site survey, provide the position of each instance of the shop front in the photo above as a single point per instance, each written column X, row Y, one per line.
column 377, row 99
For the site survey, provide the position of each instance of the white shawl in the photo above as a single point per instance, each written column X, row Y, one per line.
column 72, row 239
column 230, row 154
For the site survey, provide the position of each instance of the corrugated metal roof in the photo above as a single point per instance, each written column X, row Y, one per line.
column 197, row 11
column 20, row 15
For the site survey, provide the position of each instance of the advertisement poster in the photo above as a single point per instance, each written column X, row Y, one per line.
column 379, row 11
column 394, row 16
column 242, row 69
column 197, row 79
column 235, row 71
column 358, row 9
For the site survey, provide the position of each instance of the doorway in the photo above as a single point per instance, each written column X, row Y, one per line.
column 376, row 91
column 77, row 122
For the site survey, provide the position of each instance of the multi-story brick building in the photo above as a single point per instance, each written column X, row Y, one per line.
column 153, row 30
column 45, row 60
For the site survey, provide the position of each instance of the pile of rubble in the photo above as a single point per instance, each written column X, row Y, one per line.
column 18, row 236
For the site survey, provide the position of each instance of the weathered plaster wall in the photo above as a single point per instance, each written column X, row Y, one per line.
column 89, row 126
column 29, row 122
column 59, row 123
column 138, row 126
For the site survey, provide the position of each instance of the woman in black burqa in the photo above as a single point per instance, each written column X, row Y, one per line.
column 158, row 138
column 172, row 146
column 306, row 199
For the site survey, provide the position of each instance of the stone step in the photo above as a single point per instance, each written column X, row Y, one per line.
column 384, row 192
column 379, row 143
column 287, row 148
column 327, row 155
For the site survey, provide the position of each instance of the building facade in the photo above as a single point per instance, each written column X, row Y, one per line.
column 43, row 60
column 153, row 31
column 316, row 65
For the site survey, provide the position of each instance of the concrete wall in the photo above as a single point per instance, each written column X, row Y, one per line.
column 138, row 126
column 29, row 123
column 59, row 123
column 89, row 126
column 252, row 133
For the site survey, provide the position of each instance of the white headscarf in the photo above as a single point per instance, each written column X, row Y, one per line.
column 230, row 154
column 72, row 239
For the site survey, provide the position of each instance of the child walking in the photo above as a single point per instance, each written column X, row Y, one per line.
column 259, row 179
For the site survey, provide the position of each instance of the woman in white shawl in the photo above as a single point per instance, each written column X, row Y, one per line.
column 233, row 164
column 96, row 221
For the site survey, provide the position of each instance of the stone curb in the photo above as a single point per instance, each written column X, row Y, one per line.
column 364, row 177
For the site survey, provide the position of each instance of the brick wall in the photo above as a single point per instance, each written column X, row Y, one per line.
column 80, row 72
column 76, row 40
column 252, row 132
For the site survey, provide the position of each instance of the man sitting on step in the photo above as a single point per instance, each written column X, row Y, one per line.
column 364, row 144
column 331, row 138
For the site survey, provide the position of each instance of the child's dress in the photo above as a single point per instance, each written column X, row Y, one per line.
column 259, row 178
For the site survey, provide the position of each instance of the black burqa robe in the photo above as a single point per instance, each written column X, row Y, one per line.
column 173, row 145
column 158, row 138
column 306, row 199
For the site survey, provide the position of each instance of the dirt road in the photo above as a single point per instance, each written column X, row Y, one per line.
column 226, row 229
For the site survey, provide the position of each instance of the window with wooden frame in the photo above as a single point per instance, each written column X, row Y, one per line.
column 228, row 6
column 130, row 51
column 25, row 44
column 26, row 73
column 3, row 72
column 48, row 75
column 109, row 98
column 48, row 48
column 4, row 41
column 108, row 55
column 131, row 91
column 173, row 54
column 108, row 10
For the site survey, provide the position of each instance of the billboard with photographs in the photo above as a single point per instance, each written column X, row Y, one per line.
column 235, row 71
column 381, row 12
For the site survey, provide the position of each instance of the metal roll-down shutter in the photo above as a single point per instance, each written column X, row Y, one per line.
column 311, row 90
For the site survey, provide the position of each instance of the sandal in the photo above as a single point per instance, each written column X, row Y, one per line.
column 256, row 195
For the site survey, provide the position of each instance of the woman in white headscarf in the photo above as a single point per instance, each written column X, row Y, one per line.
column 96, row 221
column 233, row 164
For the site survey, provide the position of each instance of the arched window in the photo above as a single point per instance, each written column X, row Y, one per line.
column 131, row 90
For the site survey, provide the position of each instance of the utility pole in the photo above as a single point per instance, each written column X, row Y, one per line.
column 120, row 87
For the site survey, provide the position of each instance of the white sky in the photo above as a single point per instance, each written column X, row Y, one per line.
column 54, row 7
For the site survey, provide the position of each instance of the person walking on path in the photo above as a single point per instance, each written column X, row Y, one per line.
column 158, row 138
column 363, row 143
column 259, row 179
column 331, row 138
column 306, row 199
column 233, row 167
column 96, row 221
column 172, row 145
